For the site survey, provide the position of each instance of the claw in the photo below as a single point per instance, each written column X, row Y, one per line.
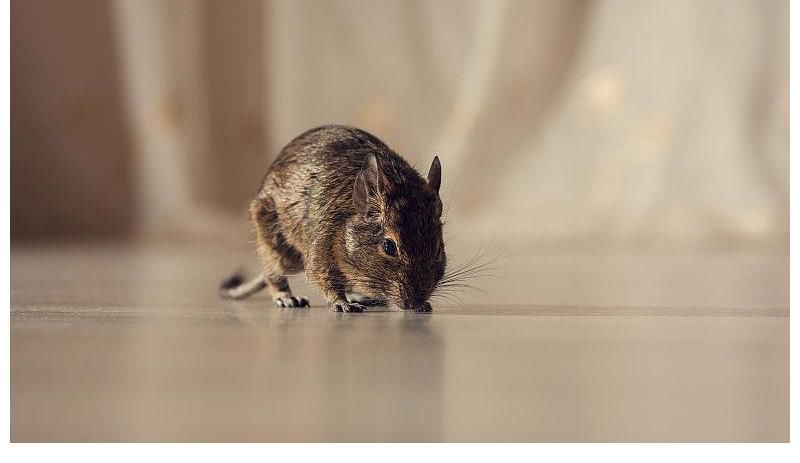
column 346, row 307
column 353, row 308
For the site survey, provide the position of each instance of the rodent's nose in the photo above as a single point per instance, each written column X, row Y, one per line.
column 412, row 304
column 413, row 296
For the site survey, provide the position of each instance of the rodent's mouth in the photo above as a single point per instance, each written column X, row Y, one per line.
column 400, row 304
column 411, row 305
column 397, row 301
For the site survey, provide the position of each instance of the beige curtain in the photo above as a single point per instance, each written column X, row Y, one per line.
column 567, row 124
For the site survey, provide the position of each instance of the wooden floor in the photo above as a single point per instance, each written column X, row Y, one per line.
column 132, row 344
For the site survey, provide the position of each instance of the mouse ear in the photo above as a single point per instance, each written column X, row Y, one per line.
column 367, row 190
column 435, row 174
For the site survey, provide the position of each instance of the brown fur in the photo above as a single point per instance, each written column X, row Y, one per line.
column 326, row 205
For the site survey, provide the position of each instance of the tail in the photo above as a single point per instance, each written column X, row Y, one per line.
column 235, row 286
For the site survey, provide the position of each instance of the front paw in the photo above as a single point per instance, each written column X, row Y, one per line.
column 292, row 301
column 344, row 306
column 366, row 301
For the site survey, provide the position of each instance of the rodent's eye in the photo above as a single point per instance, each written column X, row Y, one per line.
column 389, row 247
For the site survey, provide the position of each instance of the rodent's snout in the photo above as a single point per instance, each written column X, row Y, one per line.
column 412, row 304
column 416, row 290
column 414, row 300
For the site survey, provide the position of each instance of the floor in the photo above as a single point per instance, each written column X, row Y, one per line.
column 131, row 343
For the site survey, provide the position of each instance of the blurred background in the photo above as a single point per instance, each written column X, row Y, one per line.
column 570, row 125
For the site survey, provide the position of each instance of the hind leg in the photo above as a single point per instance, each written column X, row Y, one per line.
column 278, row 258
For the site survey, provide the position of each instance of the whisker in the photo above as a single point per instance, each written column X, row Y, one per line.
column 461, row 278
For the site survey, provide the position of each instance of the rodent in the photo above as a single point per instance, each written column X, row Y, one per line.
column 342, row 206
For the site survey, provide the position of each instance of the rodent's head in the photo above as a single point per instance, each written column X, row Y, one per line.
column 394, row 242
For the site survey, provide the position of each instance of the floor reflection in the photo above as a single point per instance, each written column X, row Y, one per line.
column 282, row 375
column 147, row 352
